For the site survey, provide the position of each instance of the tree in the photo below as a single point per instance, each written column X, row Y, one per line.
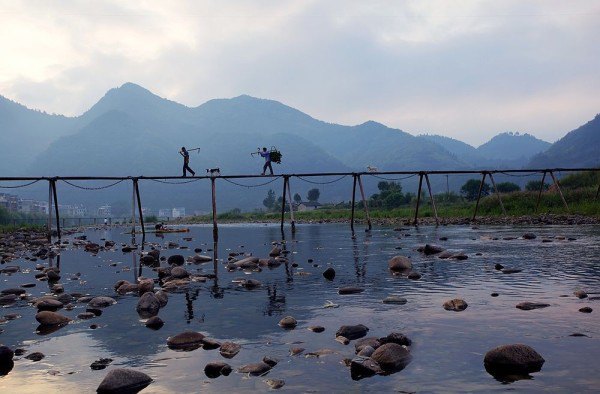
column 269, row 202
column 470, row 189
column 534, row 186
column 313, row 195
column 507, row 187
column 297, row 198
column 393, row 200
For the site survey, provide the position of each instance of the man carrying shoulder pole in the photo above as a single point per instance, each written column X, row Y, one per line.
column 267, row 155
column 186, row 162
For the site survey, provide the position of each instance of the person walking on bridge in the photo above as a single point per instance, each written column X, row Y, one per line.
column 267, row 155
column 186, row 162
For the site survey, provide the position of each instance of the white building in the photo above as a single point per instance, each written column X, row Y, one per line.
column 178, row 212
column 105, row 211
column 165, row 213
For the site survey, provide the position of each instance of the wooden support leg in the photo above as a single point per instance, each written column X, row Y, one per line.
column 365, row 205
column 289, row 192
column 49, row 211
column 479, row 195
column 437, row 221
column 56, row 208
column 497, row 194
column 597, row 192
column 415, row 221
column 537, row 204
column 285, row 181
column 354, row 201
column 559, row 191
column 214, row 210
column 133, row 211
column 139, row 204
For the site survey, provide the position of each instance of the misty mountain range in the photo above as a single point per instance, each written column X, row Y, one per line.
column 131, row 131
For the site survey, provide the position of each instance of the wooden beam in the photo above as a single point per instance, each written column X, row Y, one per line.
column 365, row 205
column 479, row 194
column 415, row 221
column 56, row 208
column 49, row 211
column 139, row 203
column 537, row 204
column 354, row 201
column 437, row 221
column 497, row 194
column 289, row 192
column 214, row 210
column 285, row 181
column 559, row 191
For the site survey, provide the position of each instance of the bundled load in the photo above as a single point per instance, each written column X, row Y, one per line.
column 275, row 155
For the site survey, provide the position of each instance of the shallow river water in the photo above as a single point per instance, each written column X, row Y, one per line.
column 447, row 347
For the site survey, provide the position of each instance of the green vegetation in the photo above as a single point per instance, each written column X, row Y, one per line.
column 470, row 190
column 151, row 219
column 313, row 195
column 507, row 187
column 533, row 186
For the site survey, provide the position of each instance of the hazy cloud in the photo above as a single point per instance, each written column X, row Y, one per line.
column 466, row 69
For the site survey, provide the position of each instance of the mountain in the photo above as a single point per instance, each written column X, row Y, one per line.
column 513, row 148
column 579, row 148
column 459, row 149
column 24, row 133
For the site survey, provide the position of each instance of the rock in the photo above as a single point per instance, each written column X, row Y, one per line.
column 399, row 263
column 128, row 288
column 512, row 359
column 320, row 352
column 36, row 356
column 529, row 236
column 288, row 323
column 256, row 369
column 179, row 273
column 186, row 341
column 395, row 300
column 366, row 351
column 580, row 294
column 275, row 252
column 198, row 259
column 586, row 309
column 247, row 263
column 101, row 302
column 342, row 340
column 210, row 344
column 48, row 304
column 352, row 332
column 6, row 356
column 15, row 291
column 391, row 357
column 350, row 290
column 329, row 273
column 456, row 305
column 498, row 267
column 414, row 275
column 527, row 306
column 396, row 337
column 148, row 305
column 86, row 315
column 92, row 248
column 271, row 361
column 8, row 299
column 446, row 254
column 317, row 329
column 250, row 284
column 459, row 256
column 363, row 368
column 145, row 285
column 162, row 297
column 121, row 380
column 52, row 276
column 47, row 318
column 296, row 351
column 371, row 342
column 154, row 323
column 100, row 364
column 511, row 270
column 494, row 294
column 275, row 384
column 176, row 259
column 148, row 260
column 429, row 249
column 215, row 369
column 229, row 349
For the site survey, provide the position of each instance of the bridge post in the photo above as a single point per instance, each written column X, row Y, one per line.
column 139, row 203
column 537, row 204
column 133, row 211
column 415, row 221
column 437, row 221
column 214, row 210
column 365, row 205
column 285, row 181
column 354, row 199
column 497, row 192
column 597, row 192
column 479, row 194
column 559, row 191
column 289, row 192
column 49, row 211
column 56, row 207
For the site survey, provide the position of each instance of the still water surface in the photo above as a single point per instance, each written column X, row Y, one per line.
column 448, row 347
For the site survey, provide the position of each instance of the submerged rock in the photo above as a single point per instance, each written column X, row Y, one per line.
column 399, row 263
column 36, row 356
column 512, row 359
column 101, row 364
column 586, row 309
column 101, row 302
column 187, row 340
column 350, row 290
column 329, row 273
column 288, row 323
column 394, row 300
column 580, row 294
column 352, row 332
column 176, row 259
column 391, row 357
column 256, row 369
column 317, row 329
column 123, row 380
column 527, row 306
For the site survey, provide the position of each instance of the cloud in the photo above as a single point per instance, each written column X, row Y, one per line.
column 467, row 69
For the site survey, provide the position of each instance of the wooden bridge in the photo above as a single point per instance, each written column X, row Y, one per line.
column 287, row 197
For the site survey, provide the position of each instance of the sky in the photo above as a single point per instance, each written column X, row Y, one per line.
column 464, row 69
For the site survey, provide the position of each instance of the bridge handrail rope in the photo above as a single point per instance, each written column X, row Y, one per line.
column 91, row 188
column 519, row 175
column 392, row 179
column 173, row 183
column 251, row 186
column 321, row 183
column 20, row 186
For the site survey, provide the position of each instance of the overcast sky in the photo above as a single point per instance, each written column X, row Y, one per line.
column 464, row 69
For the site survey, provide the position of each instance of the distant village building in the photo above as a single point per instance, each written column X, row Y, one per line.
column 105, row 211
column 165, row 213
column 178, row 212
column 147, row 211
column 308, row 206
column 10, row 202
column 72, row 211
column 34, row 207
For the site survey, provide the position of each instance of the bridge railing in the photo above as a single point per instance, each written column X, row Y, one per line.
column 287, row 196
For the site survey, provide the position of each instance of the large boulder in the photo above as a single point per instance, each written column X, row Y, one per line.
column 391, row 357
column 512, row 359
column 176, row 259
column 352, row 332
column 186, row 341
column 216, row 369
column 399, row 264
column 148, row 305
column 101, row 302
column 123, row 380
column 47, row 318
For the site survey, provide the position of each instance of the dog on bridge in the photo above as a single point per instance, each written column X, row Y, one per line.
column 213, row 171
column 372, row 169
